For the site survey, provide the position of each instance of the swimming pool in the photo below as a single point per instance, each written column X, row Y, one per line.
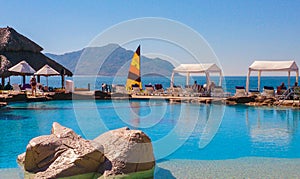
column 177, row 130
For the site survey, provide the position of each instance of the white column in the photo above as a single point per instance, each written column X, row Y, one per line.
column 172, row 80
column 187, row 78
column 207, row 78
column 248, row 81
column 220, row 80
column 258, row 80
column 289, row 79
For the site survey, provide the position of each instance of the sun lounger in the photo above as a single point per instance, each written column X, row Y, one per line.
column 254, row 92
column 149, row 89
column 159, row 90
column 296, row 93
column 218, row 91
column 177, row 91
column 188, row 91
column 268, row 91
column 119, row 89
column 16, row 89
column 240, row 91
column 136, row 90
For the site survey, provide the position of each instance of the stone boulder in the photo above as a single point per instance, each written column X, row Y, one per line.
column 241, row 99
column 61, row 154
column 127, row 151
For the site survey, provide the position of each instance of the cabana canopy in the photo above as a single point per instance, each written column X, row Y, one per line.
column 276, row 66
column 46, row 70
column 206, row 68
column 23, row 69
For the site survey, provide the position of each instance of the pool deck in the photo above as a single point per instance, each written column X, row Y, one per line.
column 99, row 95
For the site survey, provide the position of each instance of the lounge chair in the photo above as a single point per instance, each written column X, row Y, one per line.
column 16, row 89
column 119, row 89
column 240, row 91
column 268, row 91
column 254, row 92
column 136, row 89
column 188, row 91
column 177, row 91
column 218, row 91
column 149, row 89
column 296, row 93
column 26, row 87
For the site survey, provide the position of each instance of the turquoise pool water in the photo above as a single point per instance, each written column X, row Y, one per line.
column 178, row 131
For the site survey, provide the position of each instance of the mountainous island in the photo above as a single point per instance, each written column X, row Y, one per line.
column 109, row 60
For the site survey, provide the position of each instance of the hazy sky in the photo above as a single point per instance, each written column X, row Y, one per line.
column 238, row 31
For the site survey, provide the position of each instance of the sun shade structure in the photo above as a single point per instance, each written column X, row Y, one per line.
column 23, row 69
column 15, row 47
column 206, row 68
column 272, row 66
column 47, row 71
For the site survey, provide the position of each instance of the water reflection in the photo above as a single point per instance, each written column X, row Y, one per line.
column 135, row 114
column 272, row 128
column 214, row 118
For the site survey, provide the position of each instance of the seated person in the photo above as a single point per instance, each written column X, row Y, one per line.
column 281, row 89
column 195, row 86
column 295, row 85
column 45, row 89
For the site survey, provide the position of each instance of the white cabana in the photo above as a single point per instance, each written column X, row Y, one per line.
column 206, row 68
column 22, row 68
column 272, row 66
column 46, row 70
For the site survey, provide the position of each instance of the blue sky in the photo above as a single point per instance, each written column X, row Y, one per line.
column 238, row 31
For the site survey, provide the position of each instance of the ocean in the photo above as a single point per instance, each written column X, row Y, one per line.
column 228, row 82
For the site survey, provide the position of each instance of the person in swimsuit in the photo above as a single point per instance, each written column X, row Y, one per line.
column 33, row 85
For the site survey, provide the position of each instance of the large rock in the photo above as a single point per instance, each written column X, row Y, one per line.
column 127, row 151
column 61, row 154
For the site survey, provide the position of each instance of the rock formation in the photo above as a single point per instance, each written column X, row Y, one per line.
column 127, row 150
column 61, row 154
column 64, row 154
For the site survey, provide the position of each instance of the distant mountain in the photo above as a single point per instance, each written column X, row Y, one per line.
column 109, row 60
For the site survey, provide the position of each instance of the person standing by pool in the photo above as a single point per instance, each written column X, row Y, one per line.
column 33, row 85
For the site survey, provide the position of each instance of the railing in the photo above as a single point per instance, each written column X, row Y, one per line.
column 291, row 91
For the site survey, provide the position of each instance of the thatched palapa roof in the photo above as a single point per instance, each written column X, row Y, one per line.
column 11, row 40
column 16, row 47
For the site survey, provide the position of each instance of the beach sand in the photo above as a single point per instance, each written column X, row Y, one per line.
column 252, row 167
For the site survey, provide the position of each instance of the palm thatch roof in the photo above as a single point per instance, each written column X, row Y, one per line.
column 11, row 40
column 16, row 47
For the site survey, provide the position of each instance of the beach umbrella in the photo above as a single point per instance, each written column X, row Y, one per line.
column 47, row 71
column 22, row 68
